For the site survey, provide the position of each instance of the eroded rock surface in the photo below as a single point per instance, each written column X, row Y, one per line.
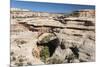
column 44, row 38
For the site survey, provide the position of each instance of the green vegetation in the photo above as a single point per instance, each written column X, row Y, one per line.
column 44, row 54
column 47, row 38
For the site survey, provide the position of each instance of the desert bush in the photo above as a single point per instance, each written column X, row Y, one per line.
column 44, row 54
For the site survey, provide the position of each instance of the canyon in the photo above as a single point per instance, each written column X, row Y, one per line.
column 51, row 38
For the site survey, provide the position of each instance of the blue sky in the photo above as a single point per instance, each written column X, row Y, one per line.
column 49, row 7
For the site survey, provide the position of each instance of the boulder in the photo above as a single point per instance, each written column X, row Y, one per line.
column 75, row 61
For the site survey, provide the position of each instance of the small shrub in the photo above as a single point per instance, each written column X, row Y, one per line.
column 44, row 54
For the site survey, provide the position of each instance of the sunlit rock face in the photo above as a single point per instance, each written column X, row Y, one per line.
column 87, row 13
column 84, row 13
column 45, row 38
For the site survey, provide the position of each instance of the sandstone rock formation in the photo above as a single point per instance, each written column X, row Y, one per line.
column 45, row 38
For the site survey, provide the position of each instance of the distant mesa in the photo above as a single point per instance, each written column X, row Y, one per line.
column 18, row 9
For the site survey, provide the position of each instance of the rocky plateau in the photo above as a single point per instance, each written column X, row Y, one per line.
column 48, row 38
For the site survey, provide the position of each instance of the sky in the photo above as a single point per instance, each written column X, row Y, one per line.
column 49, row 7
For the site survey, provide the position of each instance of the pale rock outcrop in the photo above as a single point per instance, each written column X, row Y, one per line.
column 69, row 39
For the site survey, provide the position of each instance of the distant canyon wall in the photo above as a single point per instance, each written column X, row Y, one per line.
column 15, row 12
column 84, row 13
column 27, row 13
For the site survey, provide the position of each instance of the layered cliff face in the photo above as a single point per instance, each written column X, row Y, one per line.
column 84, row 13
column 51, row 39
